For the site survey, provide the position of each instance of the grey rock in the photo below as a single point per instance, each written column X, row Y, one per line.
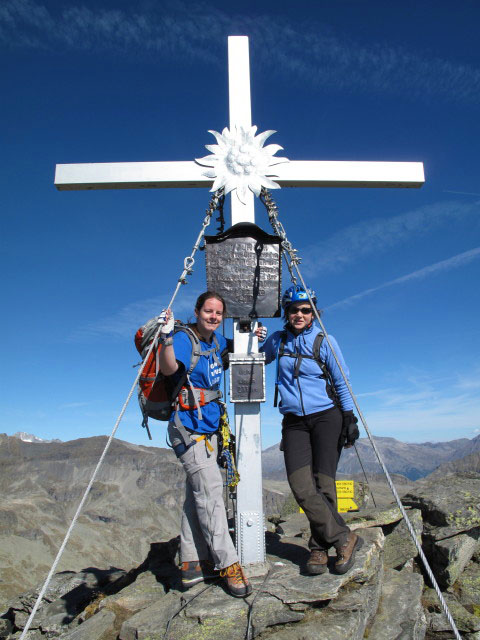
column 101, row 626
column 6, row 628
column 346, row 617
column 449, row 505
column 68, row 593
column 291, row 587
column 335, row 626
column 144, row 591
column 372, row 518
column 273, row 500
column 219, row 610
column 282, row 597
column 295, row 525
column 467, row 587
column 400, row 613
column 448, row 558
column 399, row 547
column 466, row 622
column 151, row 622
column 214, row 614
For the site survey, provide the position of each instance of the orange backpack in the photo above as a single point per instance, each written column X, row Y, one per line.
column 156, row 395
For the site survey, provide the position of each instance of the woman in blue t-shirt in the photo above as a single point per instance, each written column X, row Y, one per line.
column 206, row 546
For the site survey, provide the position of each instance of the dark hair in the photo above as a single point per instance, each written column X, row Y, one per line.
column 202, row 298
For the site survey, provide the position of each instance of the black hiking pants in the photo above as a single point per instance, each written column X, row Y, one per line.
column 312, row 451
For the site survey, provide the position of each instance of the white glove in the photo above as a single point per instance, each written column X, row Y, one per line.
column 168, row 321
column 261, row 333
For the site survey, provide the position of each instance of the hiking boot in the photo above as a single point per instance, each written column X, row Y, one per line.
column 317, row 562
column 236, row 581
column 197, row 571
column 346, row 553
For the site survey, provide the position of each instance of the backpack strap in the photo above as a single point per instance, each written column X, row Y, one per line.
column 280, row 353
column 330, row 386
column 317, row 344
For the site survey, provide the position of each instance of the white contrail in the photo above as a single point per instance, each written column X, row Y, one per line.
column 445, row 265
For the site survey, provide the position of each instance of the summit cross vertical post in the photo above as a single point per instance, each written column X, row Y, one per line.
column 249, row 518
column 188, row 174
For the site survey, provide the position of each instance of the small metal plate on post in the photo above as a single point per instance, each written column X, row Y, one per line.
column 247, row 377
column 244, row 267
column 251, row 531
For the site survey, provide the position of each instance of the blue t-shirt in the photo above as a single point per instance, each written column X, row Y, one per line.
column 206, row 375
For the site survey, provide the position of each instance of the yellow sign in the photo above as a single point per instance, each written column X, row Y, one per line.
column 345, row 493
column 346, row 504
column 345, row 489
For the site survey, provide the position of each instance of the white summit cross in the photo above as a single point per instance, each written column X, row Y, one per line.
column 240, row 169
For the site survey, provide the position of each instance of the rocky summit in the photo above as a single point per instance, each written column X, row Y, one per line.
column 385, row 595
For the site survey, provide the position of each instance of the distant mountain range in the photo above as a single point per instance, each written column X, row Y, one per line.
column 468, row 463
column 413, row 460
column 28, row 437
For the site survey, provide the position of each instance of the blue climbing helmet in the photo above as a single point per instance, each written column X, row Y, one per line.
column 297, row 293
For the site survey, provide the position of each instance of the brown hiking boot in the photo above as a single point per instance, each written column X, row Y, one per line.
column 317, row 562
column 346, row 553
column 236, row 581
column 197, row 571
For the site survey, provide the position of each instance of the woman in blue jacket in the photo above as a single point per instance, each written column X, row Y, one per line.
column 317, row 423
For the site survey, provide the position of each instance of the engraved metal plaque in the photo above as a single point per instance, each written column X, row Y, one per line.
column 244, row 267
column 247, row 377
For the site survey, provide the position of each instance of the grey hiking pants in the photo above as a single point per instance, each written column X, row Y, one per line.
column 312, row 451
column 204, row 529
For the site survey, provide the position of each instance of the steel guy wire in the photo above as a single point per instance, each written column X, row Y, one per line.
column 365, row 474
column 272, row 211
column 187, row 270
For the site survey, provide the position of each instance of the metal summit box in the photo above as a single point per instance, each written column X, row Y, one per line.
column 244, row 267
column 247, row 377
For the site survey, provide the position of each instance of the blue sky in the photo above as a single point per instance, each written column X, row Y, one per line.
column 396, row 271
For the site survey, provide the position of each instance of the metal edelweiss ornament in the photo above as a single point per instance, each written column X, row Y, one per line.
column 241, row 162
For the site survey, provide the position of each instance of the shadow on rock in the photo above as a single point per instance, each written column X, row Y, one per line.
column 291, row 551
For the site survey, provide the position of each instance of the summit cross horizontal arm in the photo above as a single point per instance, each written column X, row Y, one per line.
column 299, row 173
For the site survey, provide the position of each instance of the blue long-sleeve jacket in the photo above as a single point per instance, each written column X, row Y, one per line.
column 307, row 393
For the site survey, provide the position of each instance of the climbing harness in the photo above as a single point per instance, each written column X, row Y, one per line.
column 292, row 260
column 226, row 441
column 187, row 270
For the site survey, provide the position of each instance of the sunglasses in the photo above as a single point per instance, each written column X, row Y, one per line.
column 304, row 310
